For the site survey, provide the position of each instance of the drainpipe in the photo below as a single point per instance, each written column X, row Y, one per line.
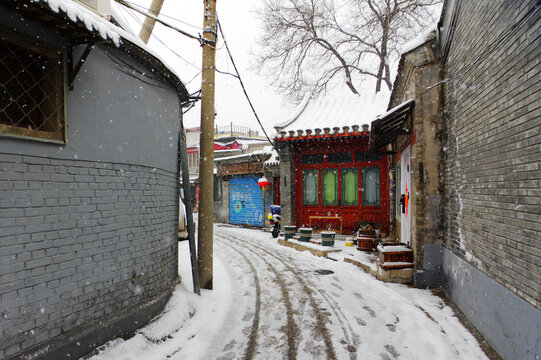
column 183, row 168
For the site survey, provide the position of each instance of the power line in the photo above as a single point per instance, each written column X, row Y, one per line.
column 198, row 38
column 500, row 39
column 163, row 43
column 164, row 15
column 177, row 54
column 132, row 71
column 241, row 82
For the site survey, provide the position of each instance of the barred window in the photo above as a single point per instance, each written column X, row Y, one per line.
column 339, row 158
column 312, row 159
column 31, row 90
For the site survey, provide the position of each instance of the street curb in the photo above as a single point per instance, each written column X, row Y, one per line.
column 299, row 247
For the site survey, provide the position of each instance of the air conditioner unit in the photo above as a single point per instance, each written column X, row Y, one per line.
column 100, row 7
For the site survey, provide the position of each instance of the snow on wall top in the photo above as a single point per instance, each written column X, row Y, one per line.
column 273, row 160
column 107, row 30
column 258, row 153
column 420, row 39
column 334, row 110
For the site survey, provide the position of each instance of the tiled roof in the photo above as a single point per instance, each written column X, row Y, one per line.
column 334, row 115
column 317, row 133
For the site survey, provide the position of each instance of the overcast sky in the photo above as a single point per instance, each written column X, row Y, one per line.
column 241, row 29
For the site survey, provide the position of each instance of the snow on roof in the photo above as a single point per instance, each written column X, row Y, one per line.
column 273, row 160
column 106, row 29
column 117, row 15
column 295, row 114
column 420, row 39
column 336, row 110
column 250, row 142
column 245, row 155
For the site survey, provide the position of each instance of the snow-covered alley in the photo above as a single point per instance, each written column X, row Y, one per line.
column 272, row 302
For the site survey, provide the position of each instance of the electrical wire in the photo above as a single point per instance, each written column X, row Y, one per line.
column 131, row 71
column 159, row 40
column 489, row 49
column 164, row 15
column 198, row 38
column 203, row 43
column 241, row 82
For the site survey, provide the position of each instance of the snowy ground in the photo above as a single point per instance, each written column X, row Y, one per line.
column 272, row 302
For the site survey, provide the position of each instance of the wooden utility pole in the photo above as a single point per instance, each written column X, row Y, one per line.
column 206, row 146
column 149, row 23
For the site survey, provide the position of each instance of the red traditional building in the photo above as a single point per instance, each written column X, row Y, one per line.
column 333, row 178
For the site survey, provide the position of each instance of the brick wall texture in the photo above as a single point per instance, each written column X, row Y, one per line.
column 79, row 241
column 493, row 145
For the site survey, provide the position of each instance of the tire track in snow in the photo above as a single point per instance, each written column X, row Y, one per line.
column 321, row 320
column 292, row 332
column 342, row 319
column 351, row 338
column 252, row 338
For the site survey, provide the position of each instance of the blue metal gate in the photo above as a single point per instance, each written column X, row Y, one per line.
column 245, row 202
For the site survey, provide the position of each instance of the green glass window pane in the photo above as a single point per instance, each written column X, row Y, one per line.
column 350, row 187
column 370, row 186
column 310, row 184
column 330, row 187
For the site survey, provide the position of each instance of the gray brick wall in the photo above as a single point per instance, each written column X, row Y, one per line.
column 493, row 146
column 287, row 183
column 80, row 241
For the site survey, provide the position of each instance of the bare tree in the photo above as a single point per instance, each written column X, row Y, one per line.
column 306, row 44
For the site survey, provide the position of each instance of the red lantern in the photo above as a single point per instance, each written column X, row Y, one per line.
column 263, row 182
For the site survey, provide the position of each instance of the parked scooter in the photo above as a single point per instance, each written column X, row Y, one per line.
column 274, row 220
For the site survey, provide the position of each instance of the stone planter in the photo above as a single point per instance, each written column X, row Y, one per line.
column 327, row 238
column 306, row 234
column 289, row 231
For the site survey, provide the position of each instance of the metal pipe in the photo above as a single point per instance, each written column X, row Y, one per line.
column 183, row 155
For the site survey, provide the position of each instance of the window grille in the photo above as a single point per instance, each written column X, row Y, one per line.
column 312, row 159
column 366, row 156
column 31, row 91
column 339, row 158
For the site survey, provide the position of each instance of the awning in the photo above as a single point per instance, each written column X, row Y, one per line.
column 390, row 125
